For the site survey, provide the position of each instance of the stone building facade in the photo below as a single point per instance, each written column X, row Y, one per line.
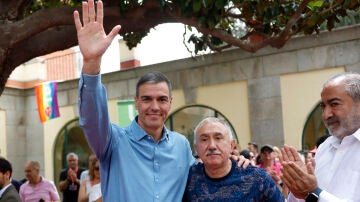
column 267, row 96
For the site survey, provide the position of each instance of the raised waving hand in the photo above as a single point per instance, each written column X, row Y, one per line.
column 93, row 41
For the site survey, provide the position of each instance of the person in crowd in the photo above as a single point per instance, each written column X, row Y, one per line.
column 248, row 155
column 218, row 178
column 272, row 166
column 8, row 192
column 16, row 184
column 309, row 155
column 143, row 161
column 336, row 176
column 269, row 163
column 85, row 173
column 90, row 189
column 277, row 154
column 69, row 178
column 254, row 148
column 37, row 187
column 321, row 139
column 317, row 144
column 313, row 151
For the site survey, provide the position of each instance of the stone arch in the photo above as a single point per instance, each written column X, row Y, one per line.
column 314, row 128
column 184, row 120
column 70, row 138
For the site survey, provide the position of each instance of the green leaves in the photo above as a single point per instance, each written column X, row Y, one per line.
column 196, row 6
column 199, row 44
column 313, row 5
column 237, row 19
column 36, row 5
column 134, row 38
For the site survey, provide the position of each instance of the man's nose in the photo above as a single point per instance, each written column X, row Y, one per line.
column 154, row 105
column 326, row 113
column 212, row 144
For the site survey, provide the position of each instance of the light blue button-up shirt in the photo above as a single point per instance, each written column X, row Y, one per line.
column 133, row 167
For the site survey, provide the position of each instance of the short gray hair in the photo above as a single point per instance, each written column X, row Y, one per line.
column 72, row 154
column 214, row 120
column 35, row 164
column 351, row 84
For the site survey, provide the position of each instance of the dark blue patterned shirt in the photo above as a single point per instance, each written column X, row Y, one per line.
column 248, row 185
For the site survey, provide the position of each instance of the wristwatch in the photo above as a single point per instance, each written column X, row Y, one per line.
column 313, row 196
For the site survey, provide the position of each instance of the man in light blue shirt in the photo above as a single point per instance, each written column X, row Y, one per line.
column 143, row 161
column 136, row 165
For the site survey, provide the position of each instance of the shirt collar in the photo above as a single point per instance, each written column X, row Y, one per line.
column 140, row 133
column 3, row 189
column 357, row 134
column 41, row 181
column 335, row 142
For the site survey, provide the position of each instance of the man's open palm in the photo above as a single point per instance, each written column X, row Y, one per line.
column 92, row 38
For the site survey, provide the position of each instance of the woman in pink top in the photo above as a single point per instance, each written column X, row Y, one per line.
column 272, row 166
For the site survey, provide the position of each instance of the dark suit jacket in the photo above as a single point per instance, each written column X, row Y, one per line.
column 10, row 195
column 16, row 184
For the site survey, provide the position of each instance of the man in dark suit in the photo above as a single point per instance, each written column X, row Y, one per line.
column 8, row 192
column 16, row 184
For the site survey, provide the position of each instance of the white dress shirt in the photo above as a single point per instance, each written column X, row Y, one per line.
column 337, row 169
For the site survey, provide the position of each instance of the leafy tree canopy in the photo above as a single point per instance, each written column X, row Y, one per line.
column 36, row 27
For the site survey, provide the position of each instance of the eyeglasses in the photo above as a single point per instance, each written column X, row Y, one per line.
column 96, row 168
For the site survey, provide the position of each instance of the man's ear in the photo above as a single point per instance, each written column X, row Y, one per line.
column 7, row 174
column 233, row 144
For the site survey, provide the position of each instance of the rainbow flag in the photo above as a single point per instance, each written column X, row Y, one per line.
column 46, row 98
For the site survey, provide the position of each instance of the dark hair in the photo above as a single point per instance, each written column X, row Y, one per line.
column 153, row 77
column 5, row 166
column 321, row 139
column 254, row 145
column 245, row 153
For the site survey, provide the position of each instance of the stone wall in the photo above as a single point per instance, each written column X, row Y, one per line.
column 262, row 71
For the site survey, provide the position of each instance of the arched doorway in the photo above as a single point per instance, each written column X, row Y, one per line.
column 314, row 129
column 185, row 119
column 70, row 138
